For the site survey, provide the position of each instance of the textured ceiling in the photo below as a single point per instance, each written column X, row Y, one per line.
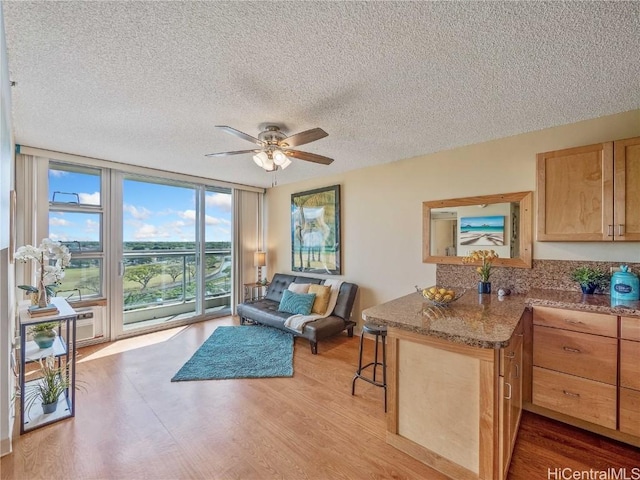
column 144, row 83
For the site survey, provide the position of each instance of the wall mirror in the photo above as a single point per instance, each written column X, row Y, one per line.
column 452, row 228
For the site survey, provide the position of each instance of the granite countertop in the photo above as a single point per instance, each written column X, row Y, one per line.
column 575, row 300
column 485, row 321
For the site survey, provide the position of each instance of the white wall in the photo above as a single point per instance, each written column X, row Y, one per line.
column 382, row 205
column 7, row 290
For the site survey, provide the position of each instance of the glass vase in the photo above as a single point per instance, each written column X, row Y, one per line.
column 484, row 287
column 43, row 299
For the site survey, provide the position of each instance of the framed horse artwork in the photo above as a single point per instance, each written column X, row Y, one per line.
column 315, row 231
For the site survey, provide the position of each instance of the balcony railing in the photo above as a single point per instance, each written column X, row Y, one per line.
column 154, row 278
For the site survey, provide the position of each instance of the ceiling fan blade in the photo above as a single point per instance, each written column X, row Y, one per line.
column 240, row 134
column 301, row 138
column 309, row 157
column 238, row 152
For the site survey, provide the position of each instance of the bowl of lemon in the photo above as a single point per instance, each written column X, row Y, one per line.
column 441, row 296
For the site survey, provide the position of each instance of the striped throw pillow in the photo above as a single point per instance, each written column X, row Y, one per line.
column 296, row 303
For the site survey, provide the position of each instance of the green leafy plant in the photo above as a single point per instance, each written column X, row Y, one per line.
column 50, row 386
column 43, row 327
column 590, row 276
column 54, row 381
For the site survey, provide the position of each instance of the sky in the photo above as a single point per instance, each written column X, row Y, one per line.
column 151, row 212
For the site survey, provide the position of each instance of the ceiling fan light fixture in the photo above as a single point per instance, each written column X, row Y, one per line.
column 279, row 158
column 261, row 159
column 269, row 166
column 286, row 163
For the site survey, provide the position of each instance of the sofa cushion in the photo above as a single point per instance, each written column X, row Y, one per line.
column 296, row 303
column 299, row 287
column 279, row 284
column 320, row 304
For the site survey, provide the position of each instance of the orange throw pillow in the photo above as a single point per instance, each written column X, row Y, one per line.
column 320, row 304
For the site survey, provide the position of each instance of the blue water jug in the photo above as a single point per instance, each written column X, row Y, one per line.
column 625, row 285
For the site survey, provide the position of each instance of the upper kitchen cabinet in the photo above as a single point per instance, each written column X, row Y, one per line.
column 590, row 193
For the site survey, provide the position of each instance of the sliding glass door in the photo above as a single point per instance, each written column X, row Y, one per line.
column 176, row 252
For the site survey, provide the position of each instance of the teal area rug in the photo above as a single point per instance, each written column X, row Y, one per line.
column 245, row 351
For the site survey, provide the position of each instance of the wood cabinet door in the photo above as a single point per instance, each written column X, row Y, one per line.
column 630, row 364
column 627, row 190
column 575, row 194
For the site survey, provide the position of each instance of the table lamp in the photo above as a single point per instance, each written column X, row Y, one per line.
column 259, row 261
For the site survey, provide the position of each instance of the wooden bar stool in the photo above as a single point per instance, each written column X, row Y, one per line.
column 380, row 332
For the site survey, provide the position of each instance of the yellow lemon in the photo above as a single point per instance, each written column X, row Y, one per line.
column 447, row 298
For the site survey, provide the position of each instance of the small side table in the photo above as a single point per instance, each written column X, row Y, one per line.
column 254, row 291
column 63, row 350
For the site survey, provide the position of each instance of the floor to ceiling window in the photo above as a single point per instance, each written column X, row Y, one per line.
column 172, row 261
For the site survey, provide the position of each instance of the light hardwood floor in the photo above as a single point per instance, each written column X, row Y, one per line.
column 132, row 422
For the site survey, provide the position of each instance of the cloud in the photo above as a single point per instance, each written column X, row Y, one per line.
column 59, row 222
column 92, row 225
column 137, row 213
column 89, row 198
column 189, row 215
column 209, row 220
column 220, row 200
column 57, row 173
column 149, row 232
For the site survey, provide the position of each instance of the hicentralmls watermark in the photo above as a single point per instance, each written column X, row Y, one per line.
column 592, row 474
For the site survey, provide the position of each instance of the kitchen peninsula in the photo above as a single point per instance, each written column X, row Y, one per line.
column 454, row 380
column 460, row 375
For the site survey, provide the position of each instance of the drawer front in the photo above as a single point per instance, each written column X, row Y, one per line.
column 630, row 328
column 585, row 322
column 587, row 400
column 630, row 411
column 630, row 364
column 589, row 356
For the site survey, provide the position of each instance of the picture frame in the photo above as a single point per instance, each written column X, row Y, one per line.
column 315, row 231
column 486, row 230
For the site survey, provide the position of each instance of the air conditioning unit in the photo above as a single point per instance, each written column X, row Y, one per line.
column 85, row 329
column 89, row 323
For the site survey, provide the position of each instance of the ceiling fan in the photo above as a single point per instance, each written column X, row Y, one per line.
column 275, row 148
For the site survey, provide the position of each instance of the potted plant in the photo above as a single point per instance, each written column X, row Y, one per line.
column 49, row 275
column 44, row 334
column 47, row 389
column 589, row 278
column 485, row 257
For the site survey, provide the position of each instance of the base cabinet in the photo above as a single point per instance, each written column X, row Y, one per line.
column 454, row 407
column 586, row 371
column 511, row 394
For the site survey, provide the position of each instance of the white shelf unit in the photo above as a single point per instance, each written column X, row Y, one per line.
column 63, row 350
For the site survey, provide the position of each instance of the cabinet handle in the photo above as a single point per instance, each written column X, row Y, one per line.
column 610, row 230
column 572, row 350
column 621, row 229
column 510, row 355
column 570, row 394
column 517, row 371
column 508, row 397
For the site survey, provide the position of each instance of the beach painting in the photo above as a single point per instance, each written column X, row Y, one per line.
column 487, row 230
